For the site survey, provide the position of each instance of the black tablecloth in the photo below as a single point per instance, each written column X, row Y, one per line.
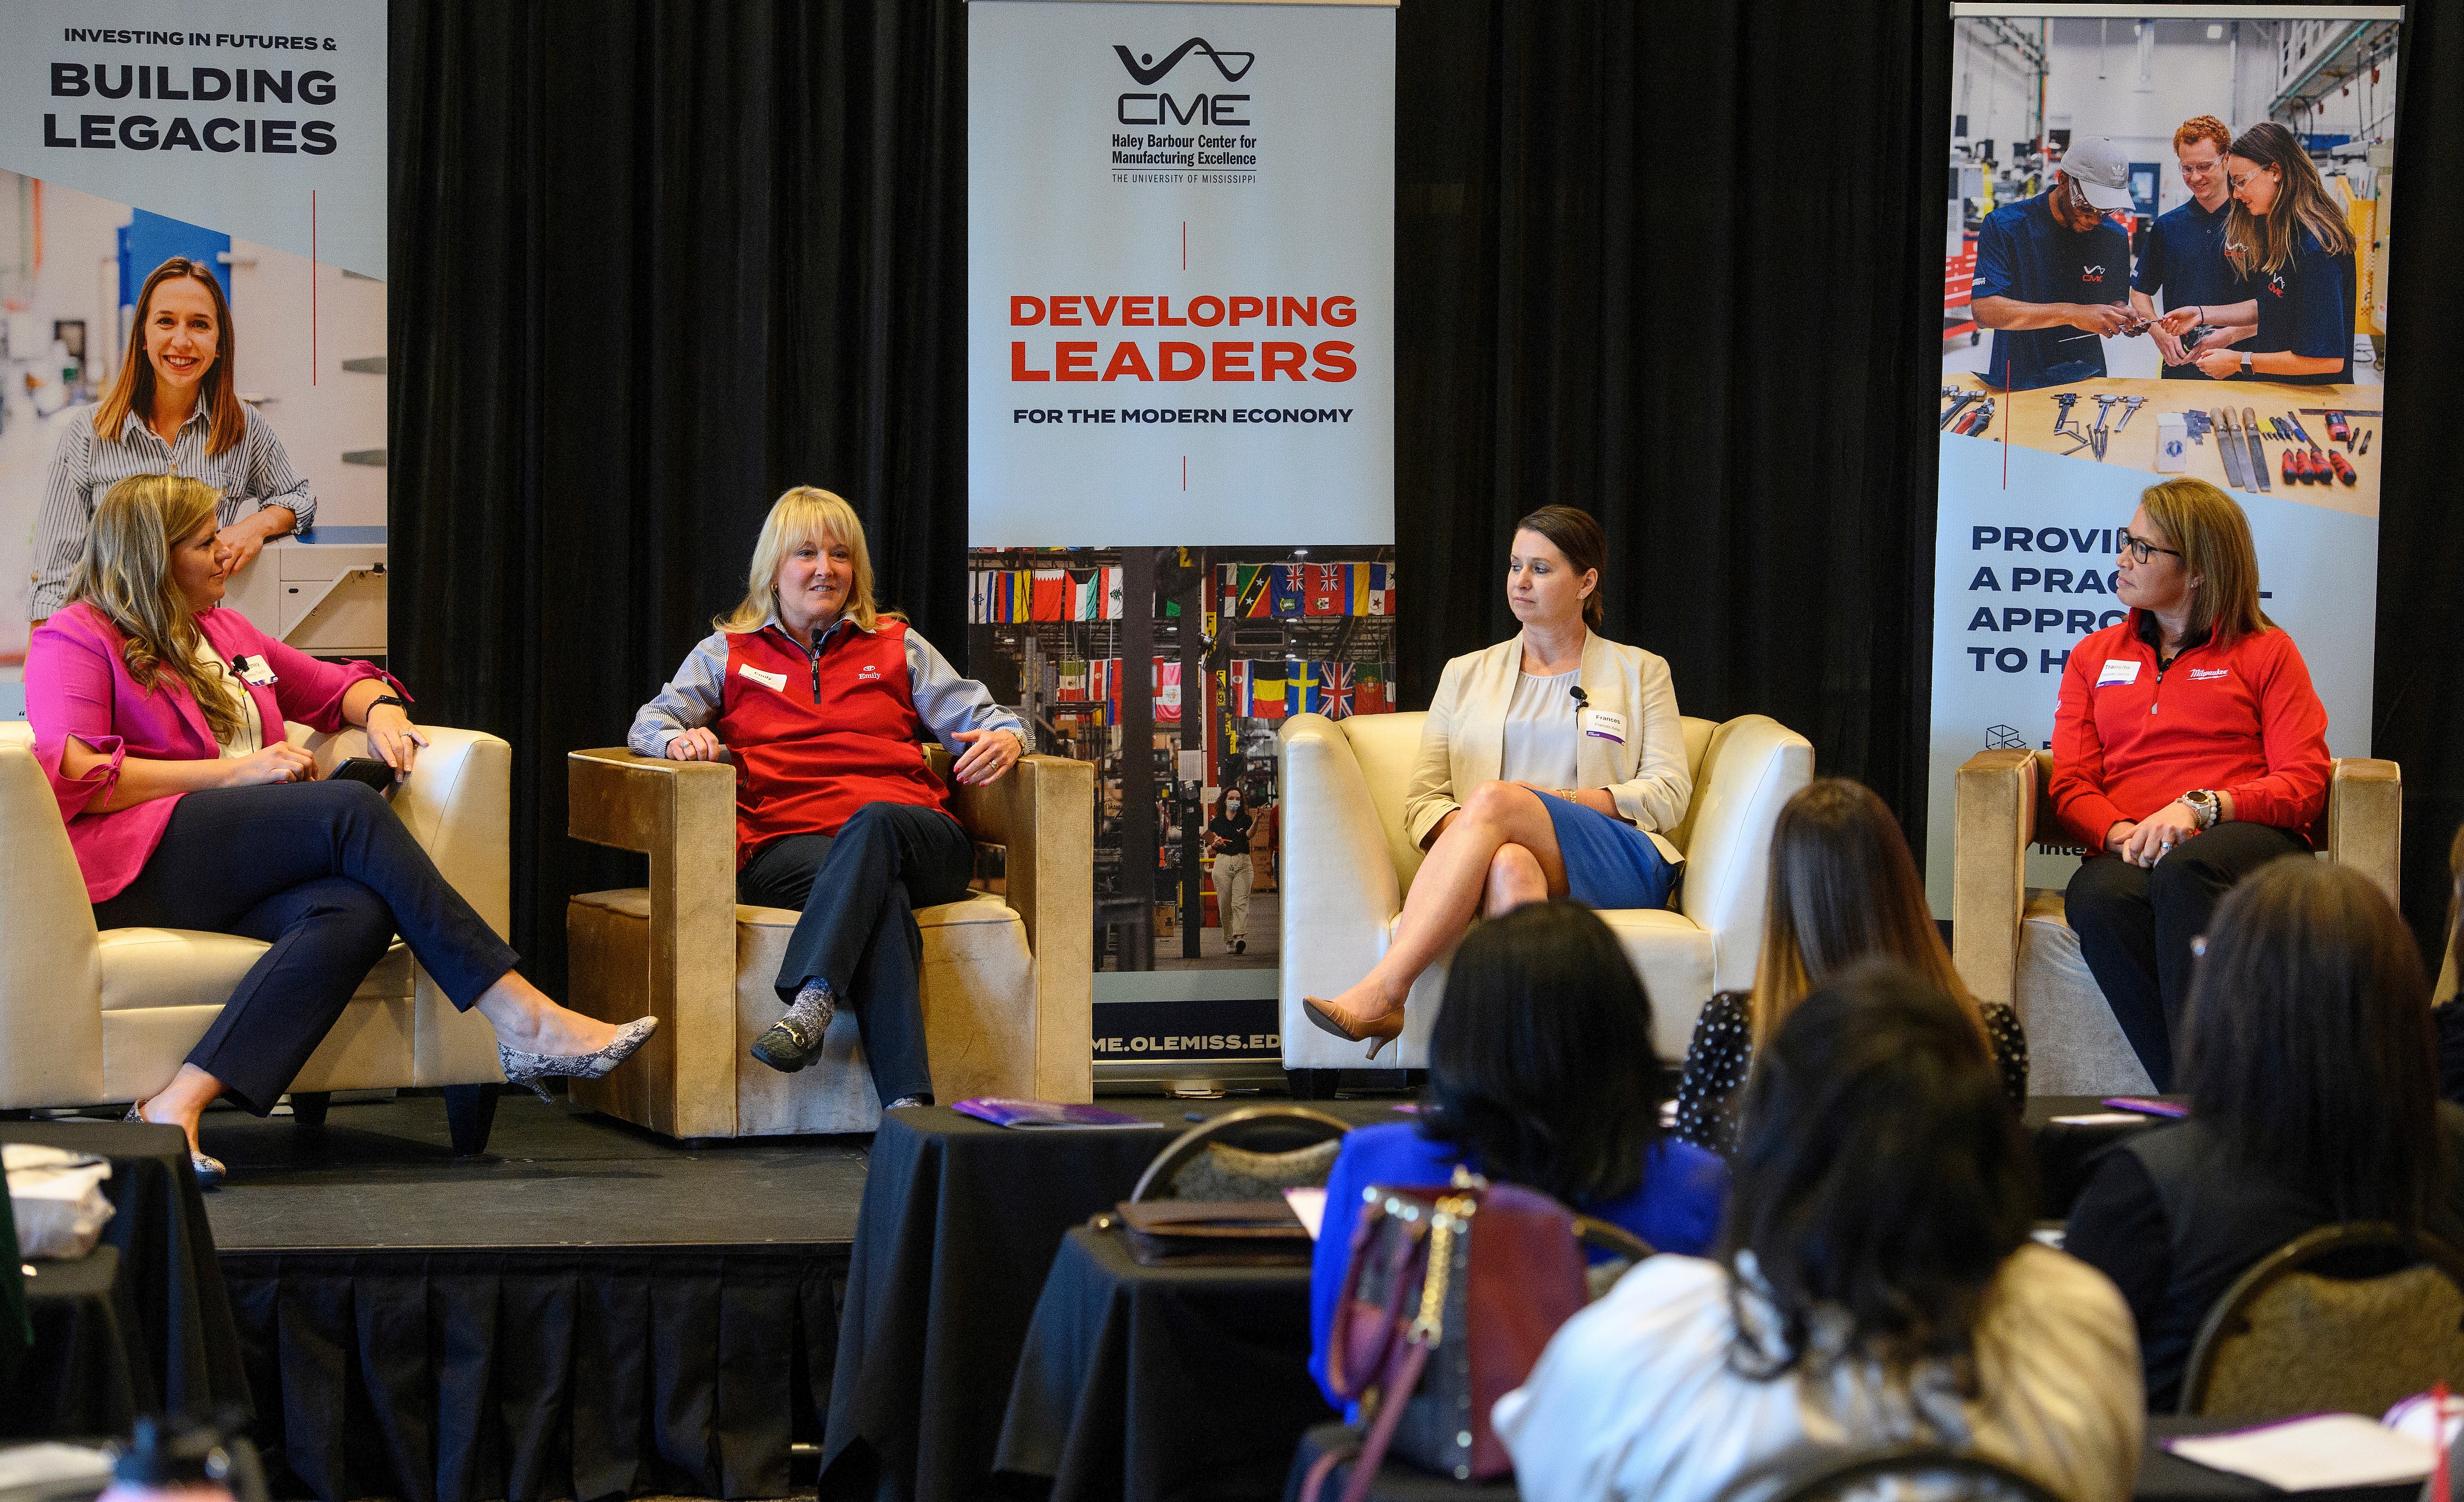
column 2066, row 1152
column 86, row 1375
column 959, row 1225
column 1149, row 1383
column 2163, row 1476
column 167, row 1258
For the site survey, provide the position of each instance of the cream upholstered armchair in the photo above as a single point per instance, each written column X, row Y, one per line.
column 2013, row 944
column 1007, row 976
column 1347, row 862
column 89, row 1017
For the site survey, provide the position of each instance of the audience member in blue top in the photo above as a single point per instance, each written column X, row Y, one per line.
column 1542, row 1073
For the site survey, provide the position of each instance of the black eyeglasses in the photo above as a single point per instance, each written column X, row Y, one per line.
column 2139, row 548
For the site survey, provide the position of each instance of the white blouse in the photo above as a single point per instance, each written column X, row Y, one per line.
column 1636, row 1400
column 1541, row 725
column 251, row 739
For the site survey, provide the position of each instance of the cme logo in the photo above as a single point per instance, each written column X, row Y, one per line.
column 2091, row 273
column 1202, row 108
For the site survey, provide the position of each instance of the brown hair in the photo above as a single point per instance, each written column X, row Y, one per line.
column 2310, row 1052
column 1585, row 545
column 2203, row 127
column 133, row 389
column 1843, row 888
column 2299, row 197
column 2214, row 536
column 126, row 574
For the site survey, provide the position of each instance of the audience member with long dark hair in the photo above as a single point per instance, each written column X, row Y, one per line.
column 2314, row 1100
column 1843, row 888
column 1875, row 1284
column 1541, row 1072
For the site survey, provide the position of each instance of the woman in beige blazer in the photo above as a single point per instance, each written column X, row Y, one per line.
column 1548, row 766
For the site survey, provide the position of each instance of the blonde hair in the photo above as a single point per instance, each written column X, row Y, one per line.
column 1843, row 889
column 2214, row 536
column 126, row 573
column 804, row 514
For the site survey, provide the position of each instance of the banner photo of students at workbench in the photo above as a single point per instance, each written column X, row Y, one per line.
column 2165, row 255
column 246, row 140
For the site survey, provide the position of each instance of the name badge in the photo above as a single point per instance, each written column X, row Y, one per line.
column 1605, row 723
column 775, row 681
column 255, row 670
column 2117, row 669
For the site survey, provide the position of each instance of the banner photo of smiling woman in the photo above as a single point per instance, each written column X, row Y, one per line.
column 172, row 409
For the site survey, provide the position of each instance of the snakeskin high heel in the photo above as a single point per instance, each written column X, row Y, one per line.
column 209, row 1171
column 527, row 1069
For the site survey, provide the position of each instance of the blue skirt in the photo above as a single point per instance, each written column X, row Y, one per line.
column 1609, row 862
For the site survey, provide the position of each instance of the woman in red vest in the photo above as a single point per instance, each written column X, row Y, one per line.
column 820, row 698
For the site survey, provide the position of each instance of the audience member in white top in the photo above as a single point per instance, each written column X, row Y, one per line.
column 1877, row 1285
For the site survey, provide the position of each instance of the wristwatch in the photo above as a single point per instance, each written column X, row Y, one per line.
column 2206, row 809
column 2245, row 361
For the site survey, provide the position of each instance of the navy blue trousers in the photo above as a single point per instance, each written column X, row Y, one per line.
column 2135, row 925
column 859, row 890
column 326, row 875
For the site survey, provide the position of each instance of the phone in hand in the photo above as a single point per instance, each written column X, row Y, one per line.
column 365, row 770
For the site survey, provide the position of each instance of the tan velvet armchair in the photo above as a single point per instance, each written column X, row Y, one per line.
column 2013, row 944
column 1007, row 974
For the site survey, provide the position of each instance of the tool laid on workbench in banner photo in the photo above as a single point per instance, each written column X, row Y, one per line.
column 2266, row 443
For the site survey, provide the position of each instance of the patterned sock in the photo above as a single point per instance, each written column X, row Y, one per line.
column 812, row 1010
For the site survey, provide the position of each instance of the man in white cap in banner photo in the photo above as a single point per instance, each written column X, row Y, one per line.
column 2052, row 273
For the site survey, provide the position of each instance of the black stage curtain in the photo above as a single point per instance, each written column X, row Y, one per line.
column 457, row 1377
column 654, row 262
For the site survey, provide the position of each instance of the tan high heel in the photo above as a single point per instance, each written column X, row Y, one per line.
column 1380, row 1030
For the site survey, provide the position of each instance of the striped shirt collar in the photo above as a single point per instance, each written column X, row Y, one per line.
column 202, row 415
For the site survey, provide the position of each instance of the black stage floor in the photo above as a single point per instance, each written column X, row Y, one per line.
column 381, row 1176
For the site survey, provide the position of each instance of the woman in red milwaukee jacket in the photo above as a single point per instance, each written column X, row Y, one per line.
column 2189, row 750
column 821, row 700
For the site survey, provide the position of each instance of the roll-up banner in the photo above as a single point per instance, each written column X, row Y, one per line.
column 2065, row 392
column 1181, row 446
column 248, row 136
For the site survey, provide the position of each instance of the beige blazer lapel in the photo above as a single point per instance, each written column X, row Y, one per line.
column 1480, row 738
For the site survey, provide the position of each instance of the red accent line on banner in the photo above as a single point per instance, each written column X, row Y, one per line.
column 2006, row 426
column 312, row 286
column 1184, row 245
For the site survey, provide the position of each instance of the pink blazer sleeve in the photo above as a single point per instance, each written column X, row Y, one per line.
column 71, row 679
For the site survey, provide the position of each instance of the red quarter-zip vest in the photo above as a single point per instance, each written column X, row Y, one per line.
column 817, row 738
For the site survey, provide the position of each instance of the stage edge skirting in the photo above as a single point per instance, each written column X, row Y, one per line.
column 536, row 1376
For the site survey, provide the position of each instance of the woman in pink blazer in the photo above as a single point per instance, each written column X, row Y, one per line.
column 159, row 719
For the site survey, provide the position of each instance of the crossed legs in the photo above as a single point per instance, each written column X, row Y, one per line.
column 1497, row 851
